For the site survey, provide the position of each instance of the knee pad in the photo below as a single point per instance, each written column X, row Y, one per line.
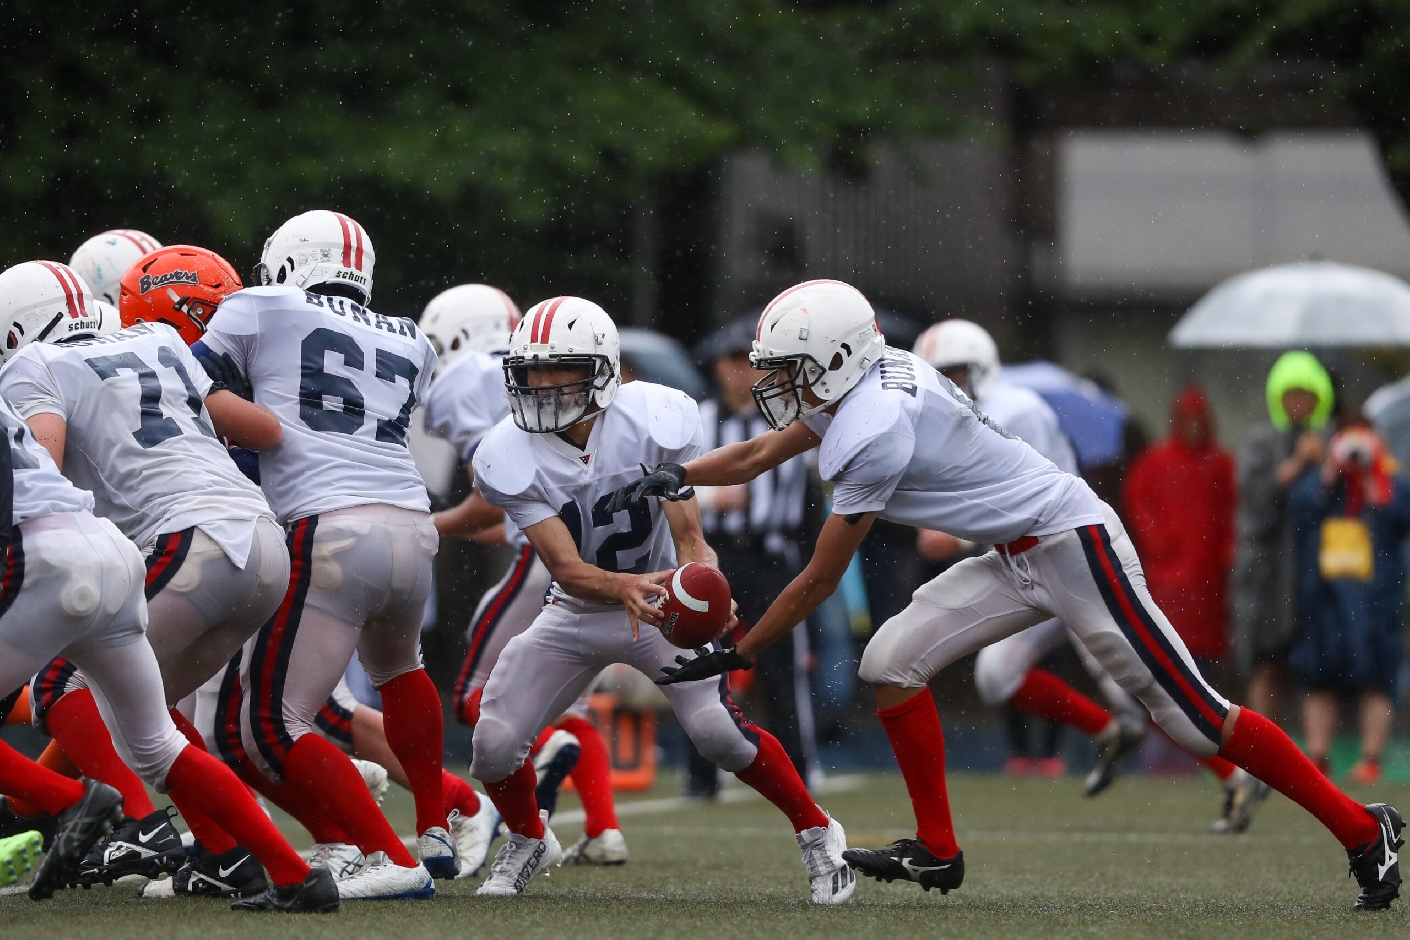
column 877, row 668
column 995, row 679
column 498, row 752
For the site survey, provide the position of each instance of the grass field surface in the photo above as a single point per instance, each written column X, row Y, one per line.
column 1041, row 862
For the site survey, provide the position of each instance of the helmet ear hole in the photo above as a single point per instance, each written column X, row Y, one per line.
column 837, row 361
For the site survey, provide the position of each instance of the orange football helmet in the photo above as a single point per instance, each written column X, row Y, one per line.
column 179, row 285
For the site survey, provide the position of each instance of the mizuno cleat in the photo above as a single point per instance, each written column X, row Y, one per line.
column 908, row 860
column 608, row 847
column 1376, row 867
column 473, row 835
column 381, row 880
column 436, row 847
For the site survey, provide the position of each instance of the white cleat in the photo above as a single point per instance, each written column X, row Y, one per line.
column 473, row 836
column 374, row 775
column 519, row 860
column 832, row 880
column 380, row 880
column 606, row 848
column 437, row 850
column 341, row 860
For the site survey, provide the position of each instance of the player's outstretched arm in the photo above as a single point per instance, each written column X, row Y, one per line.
column 473, row 517
column 837, row 543
column 723, row 466
column 559, row 554
column 241, row 422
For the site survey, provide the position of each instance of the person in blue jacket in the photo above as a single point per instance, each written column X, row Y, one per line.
column 1351, row 519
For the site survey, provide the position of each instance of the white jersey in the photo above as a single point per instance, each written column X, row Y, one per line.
column 343, row 382
column 139, row 436
column 906, row 443
column 39, row 489
column 464, row 403
column 534, row 477
column 1023, row 413
column 467, row 400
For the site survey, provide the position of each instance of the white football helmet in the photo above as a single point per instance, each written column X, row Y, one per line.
column 470, row 316
column 567, row 332
column 104, row 259
column 819, row 335
column 43, row 301
column 109, row 320
column 951, row 344
column 318, row 247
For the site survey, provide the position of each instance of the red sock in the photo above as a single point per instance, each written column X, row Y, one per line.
column 592, row 777
column 1220, row 767
column 411, row 715
column 458, row 795
column 774, row 775
column 291, row 801
column 53, row 758
column 211, row 836
column 206, row 783
column 1045, row 695
column 19, row 776
column 1260, row 747
column 913, row 727
column 514, row 798
column 330, row 781
column 75, row 723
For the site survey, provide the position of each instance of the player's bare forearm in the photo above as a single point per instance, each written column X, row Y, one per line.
column 241, row 422
column 745, row 460
column 683, row 516
column 559, row 554
column 474, row 516
column 837, row 543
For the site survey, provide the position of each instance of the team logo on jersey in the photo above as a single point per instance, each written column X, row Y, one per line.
column 149, row 282
column 586, row 459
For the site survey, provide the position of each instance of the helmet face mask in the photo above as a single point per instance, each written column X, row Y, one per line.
column 779, row 394
column 551, row 407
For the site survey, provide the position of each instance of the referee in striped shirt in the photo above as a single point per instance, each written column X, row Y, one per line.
column 758, row 531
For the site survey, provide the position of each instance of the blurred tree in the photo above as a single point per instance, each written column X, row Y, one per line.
column 512, row 142
column 474, row 139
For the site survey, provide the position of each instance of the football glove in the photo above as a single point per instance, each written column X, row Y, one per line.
column 667, row 481
column 705, row 665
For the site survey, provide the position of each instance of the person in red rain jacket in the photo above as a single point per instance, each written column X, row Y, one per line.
column 1179, row 498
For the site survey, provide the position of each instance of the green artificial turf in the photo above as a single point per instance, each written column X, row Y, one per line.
column 1041, row 862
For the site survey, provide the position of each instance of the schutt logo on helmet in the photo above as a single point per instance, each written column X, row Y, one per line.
column 149, row 282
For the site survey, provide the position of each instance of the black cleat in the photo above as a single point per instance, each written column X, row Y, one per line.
column 12, row 823
column 317, row 894
column 1376, row 867
column 908, row 860
column 1240, row 803
column 553, row 764
column 149, row 847
column 232, row 874
column 1112, row 746
column 77, row 828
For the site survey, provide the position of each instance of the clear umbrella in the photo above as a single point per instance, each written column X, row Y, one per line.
column 1311, row 303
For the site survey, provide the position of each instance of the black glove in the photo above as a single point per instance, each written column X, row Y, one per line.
column 704, row 665
column 667, row 481
column 223, row 371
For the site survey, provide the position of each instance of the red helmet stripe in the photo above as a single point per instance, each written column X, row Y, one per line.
column 79, row 301
column 347, row 239
column 58, row 273
column 139, row 242
column 548, row 318
column 360, row 239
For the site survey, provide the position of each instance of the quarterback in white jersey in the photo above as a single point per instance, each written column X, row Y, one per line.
column 343, row 382
column 574, row 436
column 73, row 586
column 900, row 441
